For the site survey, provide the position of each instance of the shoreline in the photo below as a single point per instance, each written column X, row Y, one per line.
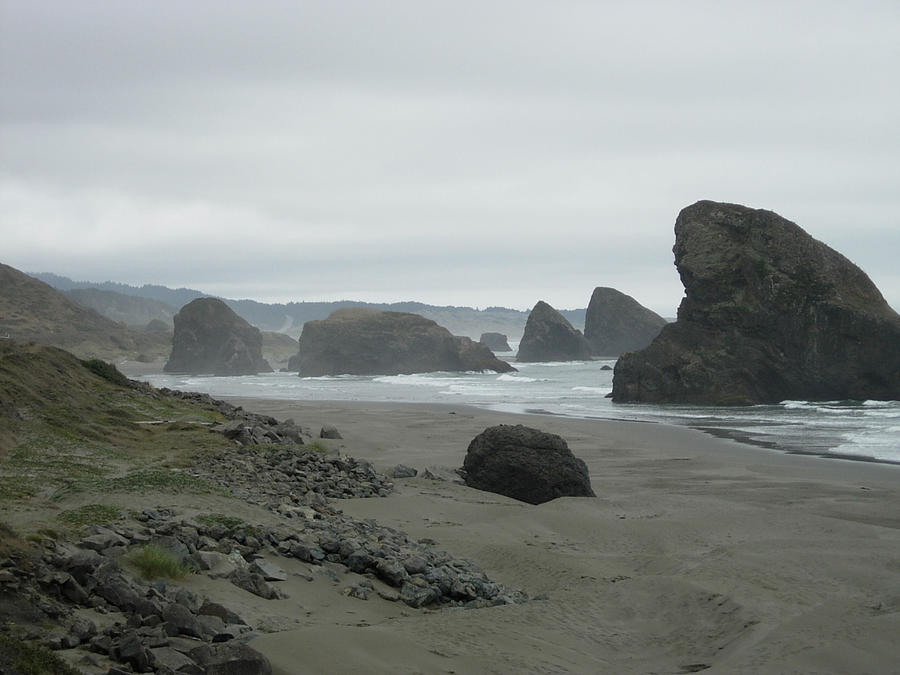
column 698, row 553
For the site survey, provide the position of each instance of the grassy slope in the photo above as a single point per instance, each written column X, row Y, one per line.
column 66, row 431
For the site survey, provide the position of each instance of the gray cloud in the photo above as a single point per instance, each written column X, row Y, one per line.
column 483, row 153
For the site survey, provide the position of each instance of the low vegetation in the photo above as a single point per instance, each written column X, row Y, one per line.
column 154, row 562
column 89, row 514
column 72, row 425
column 26, row 658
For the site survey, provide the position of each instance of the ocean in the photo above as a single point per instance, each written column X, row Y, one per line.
column 860, row 430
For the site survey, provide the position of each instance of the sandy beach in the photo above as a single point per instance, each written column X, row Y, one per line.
column 698, row 554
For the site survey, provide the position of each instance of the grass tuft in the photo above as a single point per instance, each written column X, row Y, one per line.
column 90, row 514
column 154, row 562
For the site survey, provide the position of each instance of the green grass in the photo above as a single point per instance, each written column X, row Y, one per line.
column 228, row 522
column 317, row 446
column 156, row 480
column 19, row 656
column 153, row 562
column 90, row 514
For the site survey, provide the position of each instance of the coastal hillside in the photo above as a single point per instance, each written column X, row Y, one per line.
column 143, row 528
column 130, row 310
column 289, row 317
column 31, row 310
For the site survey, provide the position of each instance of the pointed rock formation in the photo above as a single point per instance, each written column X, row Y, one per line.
column 361, row 341
column 550, row 337
column 211, row 338
column 616, row 323
column 769, row 314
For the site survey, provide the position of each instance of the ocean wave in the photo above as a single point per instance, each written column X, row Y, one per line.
column 519, row 379
column 593, row 390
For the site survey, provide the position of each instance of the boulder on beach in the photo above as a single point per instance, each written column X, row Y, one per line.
column 769, row 314
column 496, row 342
column 210, row 338
column 526, row 464
column 362, row 341
column 550, row 337
column 616, row 323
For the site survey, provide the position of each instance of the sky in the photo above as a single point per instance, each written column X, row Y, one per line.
column 464, row 153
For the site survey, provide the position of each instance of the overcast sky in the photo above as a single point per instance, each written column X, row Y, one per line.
column 470, row 153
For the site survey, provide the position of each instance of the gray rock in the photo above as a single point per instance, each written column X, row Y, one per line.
column 256, row 584
column 210, row 338
column 269, row 571
column 230, row 658
column 496, row 342
column 401, row 471
column 221, row 612
column 769, row 314
column 175, row 661
column 329, row 431
column 550, row 337
column 182, row 621
column 616, row 323
column 362, row 341
column 525, row 464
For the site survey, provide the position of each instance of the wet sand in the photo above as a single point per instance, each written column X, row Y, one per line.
column 698, row 554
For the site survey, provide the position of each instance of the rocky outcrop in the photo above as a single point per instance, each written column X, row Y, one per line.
column 362, row 341
column 211, row 338
column 496, row 342
column 550, row 337
column 616, row 323
column 526, row 464
column 769, row 314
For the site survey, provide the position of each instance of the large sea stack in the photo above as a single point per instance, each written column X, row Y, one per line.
column 550, row 337
column 362, row 341
column 211, row 338
column 769, row 314
column 616, row 323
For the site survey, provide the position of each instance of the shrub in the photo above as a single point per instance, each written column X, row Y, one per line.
column 107, row 371
column 19, row 656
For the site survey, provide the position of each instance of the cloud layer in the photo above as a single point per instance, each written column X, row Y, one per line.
column 490, row 153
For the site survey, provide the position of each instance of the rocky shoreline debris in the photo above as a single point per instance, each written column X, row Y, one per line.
column 162, row 627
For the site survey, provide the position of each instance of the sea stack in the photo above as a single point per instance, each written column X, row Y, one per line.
column 362, row 341
column 769, row 314
column 496, row 342
column 550, row 337
column 210, row 338
column 616, row 323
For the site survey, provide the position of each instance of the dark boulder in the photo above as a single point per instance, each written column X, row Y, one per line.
column 496, row 342
column 769, row 314
column 616, row 323
column 525, row 464
column 550, row 337
column 359, row 341
column 210, row 338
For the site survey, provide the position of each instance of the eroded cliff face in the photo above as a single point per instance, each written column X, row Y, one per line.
column 769, row 314
column 361, row 341
column 210, row 338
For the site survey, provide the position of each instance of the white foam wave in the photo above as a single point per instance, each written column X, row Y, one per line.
column 518, row 378
column 593, row 390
